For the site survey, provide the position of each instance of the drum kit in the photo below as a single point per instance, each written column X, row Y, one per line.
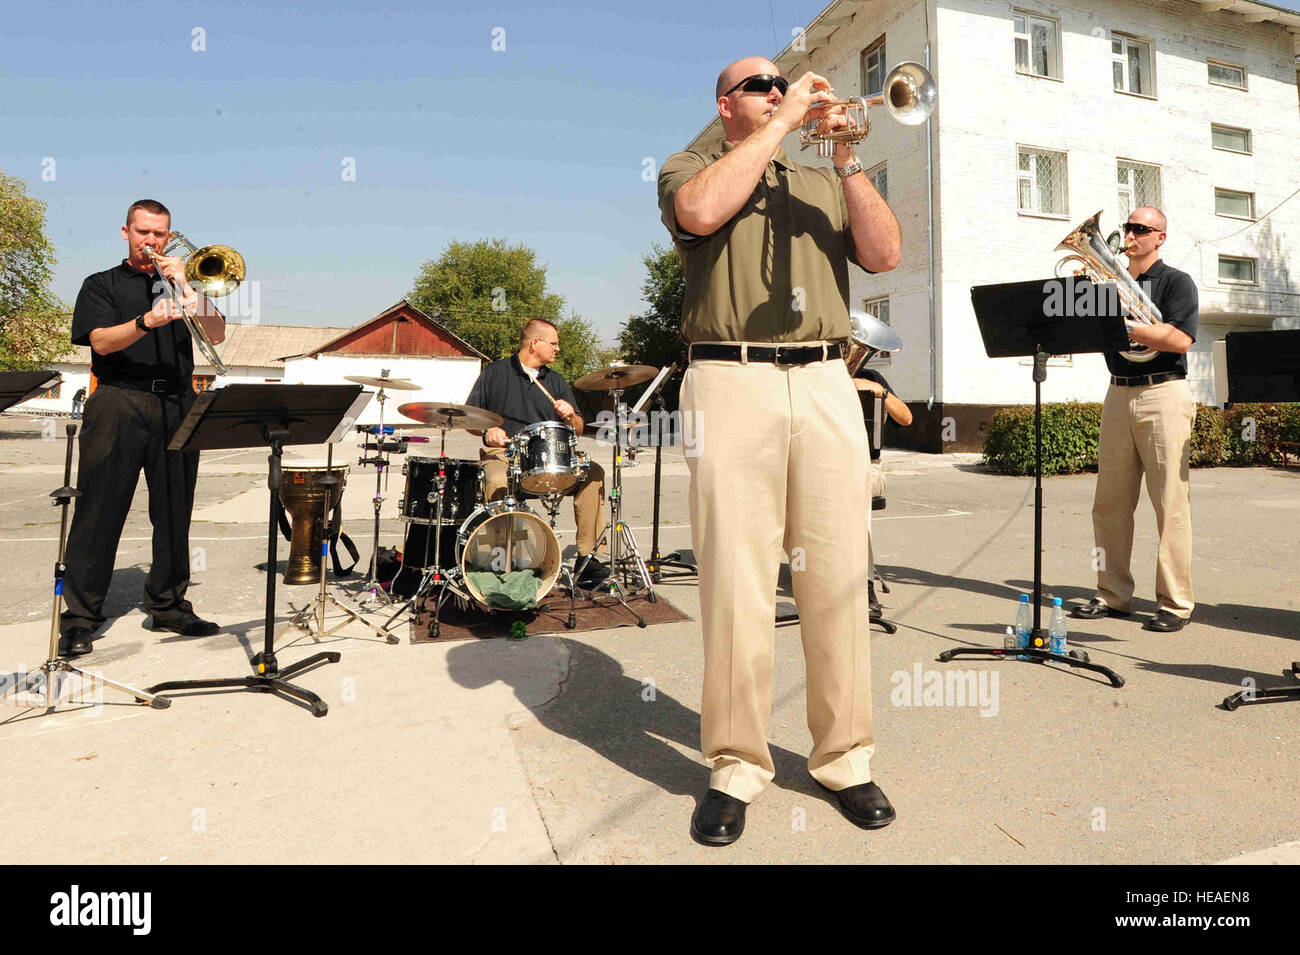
column 485, row 555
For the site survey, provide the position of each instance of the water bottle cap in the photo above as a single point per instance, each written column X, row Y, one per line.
column 1056, row 601
column 1024, row 598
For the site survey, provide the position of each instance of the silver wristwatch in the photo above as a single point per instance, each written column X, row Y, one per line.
column 849, row 170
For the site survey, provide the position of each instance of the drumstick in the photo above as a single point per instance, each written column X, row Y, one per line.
column 544, row 391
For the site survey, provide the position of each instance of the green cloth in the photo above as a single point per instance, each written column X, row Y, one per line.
column 516, row 590
column 789, row 246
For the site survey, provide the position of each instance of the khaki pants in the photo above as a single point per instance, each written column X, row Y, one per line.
column 780, row 456
column 1146, row 429
column 876, row 488
column 588, row 496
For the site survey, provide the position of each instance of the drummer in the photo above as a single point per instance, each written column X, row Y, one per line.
column 509, row 387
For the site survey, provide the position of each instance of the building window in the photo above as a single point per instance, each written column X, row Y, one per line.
column 1236, row 270
column 1227, row 74
column 879, row 176
column 55, row 392
column 1235, row 205
column 1038, row 44
column 878, row 307
column 1131, row 65
column 1139, row 185
column 1230, row 138
column 202, row 383
column 873, row 68
column 1042, row 182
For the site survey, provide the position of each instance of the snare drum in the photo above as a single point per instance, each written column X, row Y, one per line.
column 545, row 458
column 462, row 494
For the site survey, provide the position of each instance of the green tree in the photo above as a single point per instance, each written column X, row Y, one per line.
column 655, row 336
column 581, row 349
column 484, row 291
column 33, row 322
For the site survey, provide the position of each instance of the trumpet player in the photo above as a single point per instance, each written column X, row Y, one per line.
column 1146, row 430
column 766, row 244
column 142, row 359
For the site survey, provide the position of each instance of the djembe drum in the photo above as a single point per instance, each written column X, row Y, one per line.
column 307, row 502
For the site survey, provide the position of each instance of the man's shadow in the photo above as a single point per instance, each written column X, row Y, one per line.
column 617, row 716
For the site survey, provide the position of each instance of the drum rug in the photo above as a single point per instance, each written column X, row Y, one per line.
column 551, row 617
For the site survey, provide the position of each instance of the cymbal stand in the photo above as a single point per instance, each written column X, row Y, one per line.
column 434, row 576
column 371, row 588
column 302, row 620
column 618, row 534
column 54, row 667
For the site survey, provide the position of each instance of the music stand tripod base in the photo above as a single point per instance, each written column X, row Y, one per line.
column 1074, row 658
column 1260, row 695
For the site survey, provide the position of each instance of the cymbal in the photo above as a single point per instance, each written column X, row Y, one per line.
column 392, row 384
column 615, row 376
column 451, row 417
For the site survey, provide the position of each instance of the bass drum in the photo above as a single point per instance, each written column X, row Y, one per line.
column 505, row 536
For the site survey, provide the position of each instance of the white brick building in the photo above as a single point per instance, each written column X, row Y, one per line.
column 1048, row 111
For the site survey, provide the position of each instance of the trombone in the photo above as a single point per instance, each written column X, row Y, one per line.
column 211, row 270
column 909, row 93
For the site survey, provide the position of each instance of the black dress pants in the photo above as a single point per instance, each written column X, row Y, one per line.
column 124, row 432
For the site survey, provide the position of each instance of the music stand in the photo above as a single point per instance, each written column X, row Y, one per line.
column 16, row 387
column 654, row 394
column 247, row 416
column 1263, row 367
column 1038, row 319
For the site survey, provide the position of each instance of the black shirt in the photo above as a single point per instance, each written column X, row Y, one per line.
column 1174, row 293
column 119, row 295
column 503, row 387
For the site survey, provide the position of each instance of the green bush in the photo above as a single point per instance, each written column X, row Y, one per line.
column 1243, row 435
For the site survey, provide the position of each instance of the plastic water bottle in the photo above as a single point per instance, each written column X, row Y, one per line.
column 1024, row 624
column 1056, row 629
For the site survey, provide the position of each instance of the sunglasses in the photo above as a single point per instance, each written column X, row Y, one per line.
column 760, row 83
column 1137, row 228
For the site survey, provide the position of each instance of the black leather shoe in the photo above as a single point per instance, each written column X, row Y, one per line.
column 1095, row 609
column 187, row 625
column 864, row 805
column 1164, row 622
column 875, row 611
column 593, row 575
column 75, row 643
column 719, row 819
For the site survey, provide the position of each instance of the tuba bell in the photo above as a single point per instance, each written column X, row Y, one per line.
column 1097, row 258
column 211, row 270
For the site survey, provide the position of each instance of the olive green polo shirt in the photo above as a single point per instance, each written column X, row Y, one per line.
column 778, row 270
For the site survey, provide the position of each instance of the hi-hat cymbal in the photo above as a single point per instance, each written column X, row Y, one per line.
column 393, row 384
column 615, row 376
column 451, row 417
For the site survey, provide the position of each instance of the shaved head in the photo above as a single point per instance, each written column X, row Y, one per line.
column 1156, row 217
column 735, row 72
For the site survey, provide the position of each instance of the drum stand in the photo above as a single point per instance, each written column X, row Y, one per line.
column 434, row 576
column 54, row 667
column 302, row 620
column 618, row 535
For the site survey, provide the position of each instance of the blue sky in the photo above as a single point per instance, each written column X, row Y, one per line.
column 542, row 142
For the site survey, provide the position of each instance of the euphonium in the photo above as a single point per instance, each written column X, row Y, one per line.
column 211, row 270
column 1097, row 256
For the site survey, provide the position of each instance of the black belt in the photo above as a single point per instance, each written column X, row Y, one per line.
column 792, row 354
column 157, row 386
column 1147, row 379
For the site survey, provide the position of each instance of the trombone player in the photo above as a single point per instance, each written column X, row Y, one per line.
column 1146, row 430
column 142, row 359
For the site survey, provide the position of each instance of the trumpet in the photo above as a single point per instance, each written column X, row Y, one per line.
column 909, row 93
column 211, row 270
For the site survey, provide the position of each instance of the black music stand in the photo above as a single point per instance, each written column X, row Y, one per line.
column 1264, row 367
column 18, row 386
column 1018, row 320
column 656, row 563
column 248, row 416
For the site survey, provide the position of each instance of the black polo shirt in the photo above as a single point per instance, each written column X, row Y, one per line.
column 1174, row 293
column 118, row 295
column 505, row 388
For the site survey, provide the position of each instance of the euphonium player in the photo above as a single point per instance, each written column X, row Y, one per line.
column 142, row 359
column 1146, row 430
